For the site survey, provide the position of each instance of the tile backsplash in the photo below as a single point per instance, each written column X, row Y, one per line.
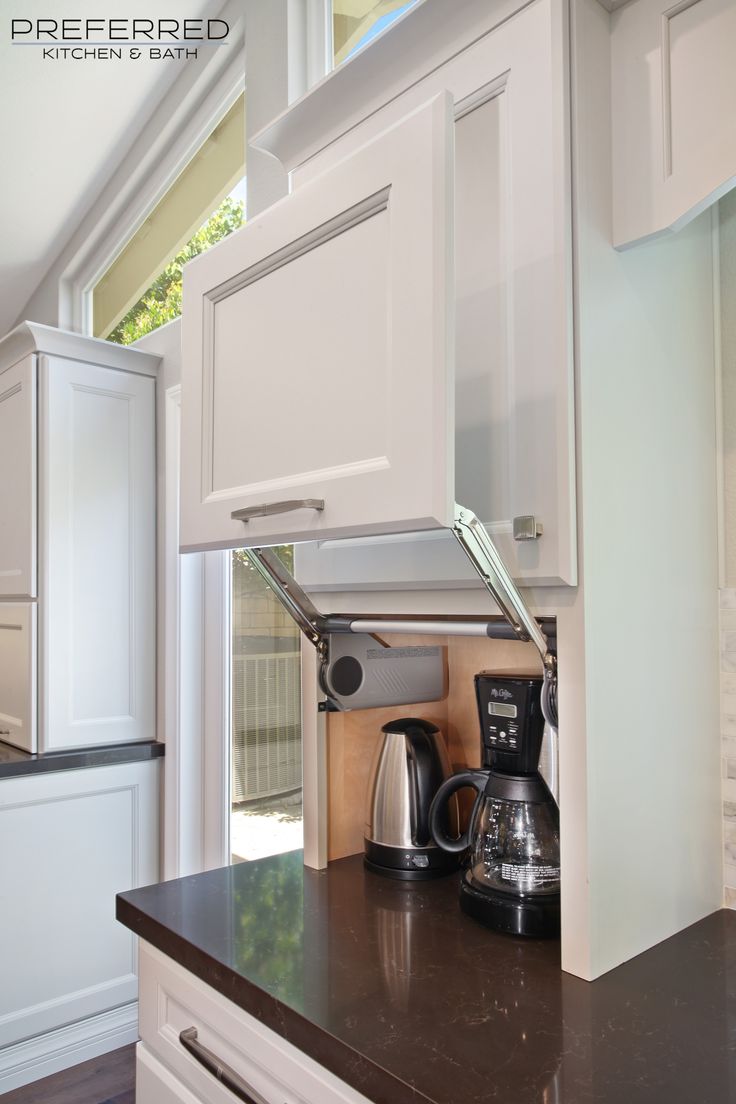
column 728, row 740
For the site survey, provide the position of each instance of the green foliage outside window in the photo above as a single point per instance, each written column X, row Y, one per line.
column 162, row 301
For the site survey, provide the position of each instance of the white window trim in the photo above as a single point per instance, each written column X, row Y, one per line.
column 195, row 629
column 189, row 111
column 196, row 645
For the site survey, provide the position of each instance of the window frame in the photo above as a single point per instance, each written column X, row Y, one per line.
column 183, row 121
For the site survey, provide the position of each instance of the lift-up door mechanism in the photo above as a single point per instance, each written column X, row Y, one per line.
column 358, row 669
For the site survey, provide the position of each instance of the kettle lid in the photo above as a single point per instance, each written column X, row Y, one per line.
column 404, row 724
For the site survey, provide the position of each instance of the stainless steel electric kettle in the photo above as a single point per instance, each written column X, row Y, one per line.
column 409, row 766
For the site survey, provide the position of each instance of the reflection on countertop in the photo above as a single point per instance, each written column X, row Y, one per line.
column 15, row 762
column 389, row 986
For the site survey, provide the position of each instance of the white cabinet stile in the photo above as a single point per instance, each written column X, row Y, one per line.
column 18, row 480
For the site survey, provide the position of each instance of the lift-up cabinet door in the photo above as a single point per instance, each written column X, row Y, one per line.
column 317, row 360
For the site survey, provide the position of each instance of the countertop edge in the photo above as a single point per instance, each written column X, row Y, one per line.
column 377, row 1084
column 80, row 758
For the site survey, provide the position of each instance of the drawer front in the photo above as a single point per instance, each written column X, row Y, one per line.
column 18, row 674
column 172, row 1000
column 155, row 1084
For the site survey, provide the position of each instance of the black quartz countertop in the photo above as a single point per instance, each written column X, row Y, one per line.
column 14, row 762
column 392, row 988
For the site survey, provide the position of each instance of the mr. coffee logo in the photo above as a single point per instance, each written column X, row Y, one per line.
column 503, row 694
column 115, row 39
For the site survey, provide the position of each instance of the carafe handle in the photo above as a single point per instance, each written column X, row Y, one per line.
column 475, row 780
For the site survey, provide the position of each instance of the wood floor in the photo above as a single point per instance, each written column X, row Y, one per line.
column 109, row 1079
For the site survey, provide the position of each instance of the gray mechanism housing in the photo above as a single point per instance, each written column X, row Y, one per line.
column 362, row 672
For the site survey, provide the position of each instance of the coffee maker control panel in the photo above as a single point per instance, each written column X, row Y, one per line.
column 511, row 722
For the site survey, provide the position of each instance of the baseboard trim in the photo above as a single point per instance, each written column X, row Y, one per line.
column 57, row 1050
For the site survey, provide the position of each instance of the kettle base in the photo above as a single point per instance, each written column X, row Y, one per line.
column 539, row 918
column 404, row 875
column 418, row 864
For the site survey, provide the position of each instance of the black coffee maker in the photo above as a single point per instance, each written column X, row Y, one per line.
column 512, row 883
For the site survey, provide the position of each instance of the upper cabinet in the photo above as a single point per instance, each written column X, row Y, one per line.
column 314, row 353
column 396, row 335
column 77, row 421
column 673, row 91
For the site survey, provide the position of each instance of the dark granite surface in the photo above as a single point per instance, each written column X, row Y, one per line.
column 14, row 762
column 389, row 986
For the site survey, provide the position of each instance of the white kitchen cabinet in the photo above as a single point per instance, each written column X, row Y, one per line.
column 171, row 1001
column 78, row 837
column 78, row 450
column 331, row 354
column 673, row 88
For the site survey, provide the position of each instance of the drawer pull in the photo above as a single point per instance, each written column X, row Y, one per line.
column 229, row 1078
column 267, row 509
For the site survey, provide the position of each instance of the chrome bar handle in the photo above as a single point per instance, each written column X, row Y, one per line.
column 268, row 509
column 222, row 1072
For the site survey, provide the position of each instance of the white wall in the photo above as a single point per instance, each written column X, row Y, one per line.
column 648, row 544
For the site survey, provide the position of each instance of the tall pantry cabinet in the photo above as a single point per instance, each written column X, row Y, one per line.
column 77, row 541
column 79, row 821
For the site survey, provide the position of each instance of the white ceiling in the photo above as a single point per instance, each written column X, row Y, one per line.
column 64, row 128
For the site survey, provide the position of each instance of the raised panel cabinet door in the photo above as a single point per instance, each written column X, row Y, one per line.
column 673, row 83
column 317, row 358
column 18, row 664
column 97, row 523
column 78, row 838
column 18, row 480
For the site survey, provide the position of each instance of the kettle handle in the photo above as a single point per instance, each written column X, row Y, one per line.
column 422, row 769
column 473, row 779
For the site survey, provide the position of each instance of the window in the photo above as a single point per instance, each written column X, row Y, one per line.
column 356, row 22
column 266, row 744
column 142, row 288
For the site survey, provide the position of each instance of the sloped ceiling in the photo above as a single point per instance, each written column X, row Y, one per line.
column 65, row 127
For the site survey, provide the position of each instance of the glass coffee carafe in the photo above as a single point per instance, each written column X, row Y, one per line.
column 512, row 882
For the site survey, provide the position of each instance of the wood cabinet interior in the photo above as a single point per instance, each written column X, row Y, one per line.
column 352, row 737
